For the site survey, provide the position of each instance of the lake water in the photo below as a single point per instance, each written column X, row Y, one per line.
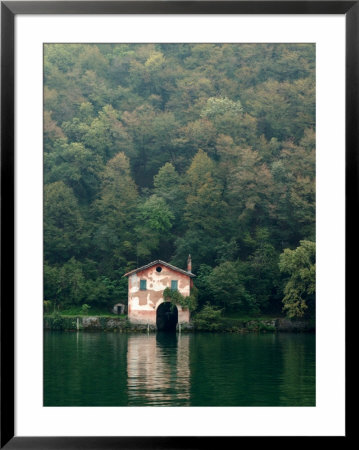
column 111, row 369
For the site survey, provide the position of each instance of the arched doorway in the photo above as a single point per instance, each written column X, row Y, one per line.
column 166, row 317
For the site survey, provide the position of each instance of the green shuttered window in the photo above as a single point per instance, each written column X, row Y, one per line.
column 143, row 286
column 174, row 285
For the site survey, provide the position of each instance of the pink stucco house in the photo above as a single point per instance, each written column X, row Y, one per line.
column 145, row 293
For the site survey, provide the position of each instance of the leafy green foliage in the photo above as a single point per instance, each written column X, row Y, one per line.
column 217, row 106
column 208, row 319
column 299, row 291
column 227, row 283
column 63, row 223
column 47, row 306
column 155, row 151
column 156, row 214
column 57, row 321
column 85, row 308
column 189, row 302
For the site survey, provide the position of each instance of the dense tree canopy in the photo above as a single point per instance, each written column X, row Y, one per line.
column 299, row 291
column 155, row 151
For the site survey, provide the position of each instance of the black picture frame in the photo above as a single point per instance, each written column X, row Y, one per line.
column 9, row 9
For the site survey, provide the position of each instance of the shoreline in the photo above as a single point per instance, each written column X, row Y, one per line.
column 122, row 325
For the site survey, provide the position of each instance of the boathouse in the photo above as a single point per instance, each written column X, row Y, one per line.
column 146, row 284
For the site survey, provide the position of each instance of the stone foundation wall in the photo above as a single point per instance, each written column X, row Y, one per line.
column 122, row 325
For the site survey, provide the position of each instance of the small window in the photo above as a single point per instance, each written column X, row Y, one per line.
column 143, row 286
column 174, row 285
column 159, row 269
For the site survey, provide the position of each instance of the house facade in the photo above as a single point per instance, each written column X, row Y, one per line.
column 145, row 292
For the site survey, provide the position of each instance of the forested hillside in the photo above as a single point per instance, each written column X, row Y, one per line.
column 155, row 151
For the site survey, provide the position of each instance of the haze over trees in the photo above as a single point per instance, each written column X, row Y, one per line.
column 155, row 151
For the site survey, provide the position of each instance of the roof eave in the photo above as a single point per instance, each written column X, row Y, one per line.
column 158, row 261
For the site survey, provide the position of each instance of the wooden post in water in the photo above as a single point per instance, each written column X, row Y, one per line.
column 78, row 324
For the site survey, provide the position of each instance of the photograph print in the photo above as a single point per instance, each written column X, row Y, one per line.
column 179, row 224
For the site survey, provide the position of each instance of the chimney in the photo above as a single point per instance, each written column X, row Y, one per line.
column 189, row 264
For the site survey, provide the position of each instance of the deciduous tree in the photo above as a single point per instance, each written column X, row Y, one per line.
column 299, row 264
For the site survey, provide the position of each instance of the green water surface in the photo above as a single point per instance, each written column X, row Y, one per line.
column 111, row 369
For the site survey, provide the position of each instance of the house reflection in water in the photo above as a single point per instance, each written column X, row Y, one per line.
column 158, row 370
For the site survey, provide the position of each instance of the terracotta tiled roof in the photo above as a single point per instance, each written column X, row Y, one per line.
column 158, row 261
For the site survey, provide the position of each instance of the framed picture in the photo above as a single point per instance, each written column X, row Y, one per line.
column 149, row 99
